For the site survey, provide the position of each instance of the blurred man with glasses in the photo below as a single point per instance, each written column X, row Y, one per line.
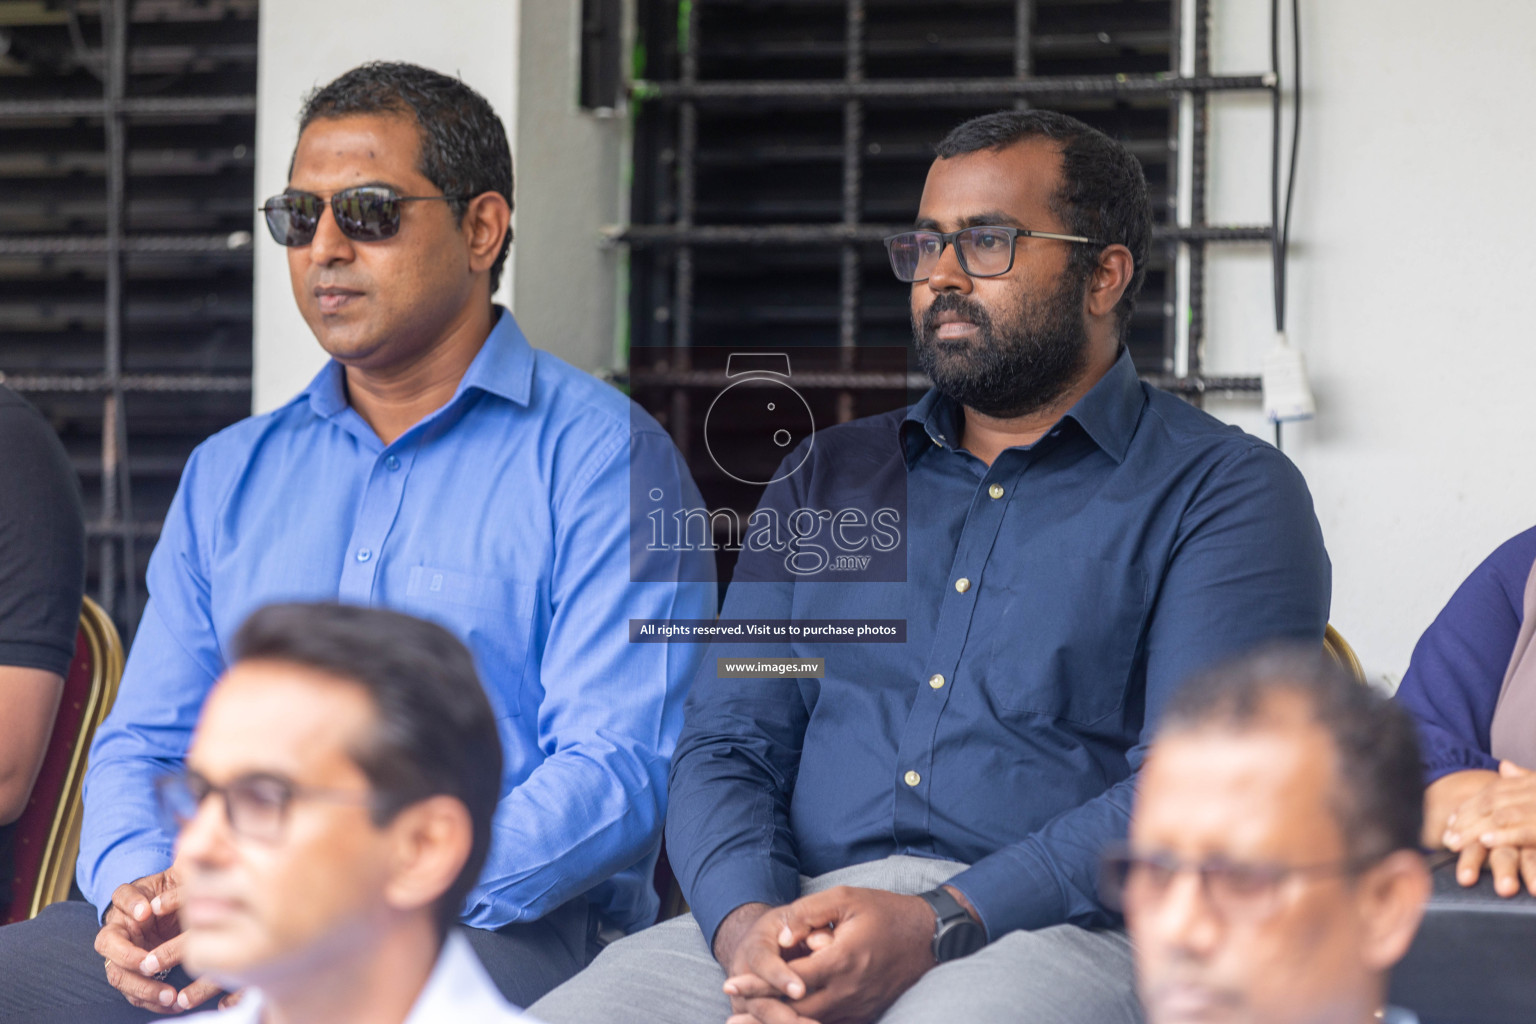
column 914, row 835
column 334, row 810
column 1273, row 874
column 438, row 464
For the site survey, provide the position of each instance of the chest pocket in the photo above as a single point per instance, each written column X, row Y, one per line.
column 1064, row 637
column 494, row 618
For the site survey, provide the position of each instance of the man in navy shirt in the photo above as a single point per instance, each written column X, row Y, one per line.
column 915, row 835
column 438, row 465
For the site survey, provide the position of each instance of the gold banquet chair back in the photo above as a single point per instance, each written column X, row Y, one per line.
column 47, row 838
column 1343, row 655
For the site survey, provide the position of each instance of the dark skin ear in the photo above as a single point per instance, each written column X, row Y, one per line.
column 486, row 221
column 1110, row 278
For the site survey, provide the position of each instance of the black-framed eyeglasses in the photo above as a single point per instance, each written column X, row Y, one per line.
column 256, row 806
column 364, row 213
column 1237, row 891
column 984, row 251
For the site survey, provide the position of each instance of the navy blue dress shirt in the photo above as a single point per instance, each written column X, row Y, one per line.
column 504, row 516
column 1453, row 682
column 1052, row 602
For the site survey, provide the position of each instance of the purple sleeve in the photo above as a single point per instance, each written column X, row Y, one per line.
column 1452, row 683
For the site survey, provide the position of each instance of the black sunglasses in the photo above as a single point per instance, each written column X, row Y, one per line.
column 364, row 213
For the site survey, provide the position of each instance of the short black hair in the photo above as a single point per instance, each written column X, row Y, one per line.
column 435, row 732
column 1103, row 191
column 1379, row 786
column 464, row 150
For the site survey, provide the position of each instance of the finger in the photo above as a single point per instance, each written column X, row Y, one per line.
column 145, row 993
column 819, row 910
column 768, row 964
column 1528, row 868
column 112, row 942
column 750, row 986
column 1513, row 813
column 819, row 939
column 167, row 903
column 1465, row 826
column 822, row 968
column 1470, row 864
column 1518, row 835
column 133, row 901
column 233, row 999
column 773, row 1011
column 1510, row 770
column 197, row 993
column 166, row 955
column 1504, row 861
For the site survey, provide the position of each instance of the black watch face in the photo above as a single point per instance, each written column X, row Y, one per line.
column 960, row 939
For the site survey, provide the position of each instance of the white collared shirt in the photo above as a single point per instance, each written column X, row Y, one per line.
column 458, row 990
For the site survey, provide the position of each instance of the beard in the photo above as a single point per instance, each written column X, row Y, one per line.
column 1014, row 365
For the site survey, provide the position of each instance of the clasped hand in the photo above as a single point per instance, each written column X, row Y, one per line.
column 841, row 956
column 141, row 940
column 1497, row 826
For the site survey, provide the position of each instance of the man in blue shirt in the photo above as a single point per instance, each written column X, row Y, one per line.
column 437, row 465
column 915, row 835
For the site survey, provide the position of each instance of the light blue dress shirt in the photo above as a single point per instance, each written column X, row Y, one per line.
column 505, row 516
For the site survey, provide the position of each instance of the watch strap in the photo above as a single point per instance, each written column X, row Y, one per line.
column 950, row 918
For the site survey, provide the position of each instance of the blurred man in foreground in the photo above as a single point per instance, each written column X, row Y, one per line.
column 1273, row 872
column 335, row 808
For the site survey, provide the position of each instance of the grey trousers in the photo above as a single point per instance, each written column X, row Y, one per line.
column 1060, row 975
column 53, row 974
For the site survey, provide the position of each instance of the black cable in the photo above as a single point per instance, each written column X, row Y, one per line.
column 1280, row 229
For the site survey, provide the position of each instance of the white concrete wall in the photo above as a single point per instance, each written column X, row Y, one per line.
column 1411, row 252
column 569, row 187
column 304, row 44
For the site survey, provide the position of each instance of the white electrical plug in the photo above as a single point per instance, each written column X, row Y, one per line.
column 1287, row 395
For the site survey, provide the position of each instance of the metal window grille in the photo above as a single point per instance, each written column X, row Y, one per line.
column 127, row 131
column 776, row 141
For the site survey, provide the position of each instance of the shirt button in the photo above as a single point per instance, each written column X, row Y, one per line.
column 363, row 554
column 936, row 681
column 962, row 584
column 391, row 462
column 996, row 490
column 912, row 778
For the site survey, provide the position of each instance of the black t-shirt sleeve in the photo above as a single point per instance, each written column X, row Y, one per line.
column 42, row 542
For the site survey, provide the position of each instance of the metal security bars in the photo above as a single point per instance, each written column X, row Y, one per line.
column 126, row 138
column 776, row 141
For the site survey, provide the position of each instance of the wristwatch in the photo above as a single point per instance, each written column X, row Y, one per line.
column 955, row 931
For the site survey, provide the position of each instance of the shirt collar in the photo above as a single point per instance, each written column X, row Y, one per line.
column 1108, row 414
column 458, row 989
column 503, row 366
